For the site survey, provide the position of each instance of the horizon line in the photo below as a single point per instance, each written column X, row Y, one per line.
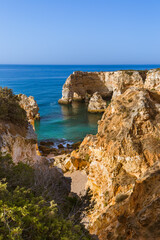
column 35, row 64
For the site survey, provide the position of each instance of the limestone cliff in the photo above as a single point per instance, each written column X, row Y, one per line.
column 137, row 217
column 30, row 106
column 17, row 136
column 122, row 163
column 18, row 141
column 82, row 85
column 152, row 81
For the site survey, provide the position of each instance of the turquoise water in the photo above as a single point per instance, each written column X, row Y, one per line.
column 45, row 82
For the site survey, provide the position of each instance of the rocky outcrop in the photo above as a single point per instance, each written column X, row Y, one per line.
column 30, row 106
column 152, row 81
column 120, row 81
column 18, row 141
column 96, row 103
column 136, row 217
column 64, row 163
column 17, row 136
column 120, row 164
column 82, row 85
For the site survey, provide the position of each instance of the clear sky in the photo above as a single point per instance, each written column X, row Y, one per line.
column 79, row 31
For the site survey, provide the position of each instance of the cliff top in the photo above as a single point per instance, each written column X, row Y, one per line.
column 10, row 110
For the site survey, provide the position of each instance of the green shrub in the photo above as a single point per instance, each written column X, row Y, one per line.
column 21, row 175
column 25, row 214
column 121, row 197
column 130, row 73
column 10, row 109
column 87, row 157
column 142, row 73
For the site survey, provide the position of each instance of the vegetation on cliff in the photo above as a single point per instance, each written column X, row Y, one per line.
column 10, row 109
column 143, row 73
column 25, row 213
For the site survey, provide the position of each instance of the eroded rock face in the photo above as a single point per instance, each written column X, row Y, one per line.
column 124, row 149
column 152, row 81
column 19, row 142
column 30, row 106
column 82, row 85
column 79, row 84
column 96, row 103
column 137, row 217
column 120, row 81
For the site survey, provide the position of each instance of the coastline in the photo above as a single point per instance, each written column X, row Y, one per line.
column 45, row 84
column 116, row 169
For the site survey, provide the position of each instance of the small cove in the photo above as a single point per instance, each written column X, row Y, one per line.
column 44, row 82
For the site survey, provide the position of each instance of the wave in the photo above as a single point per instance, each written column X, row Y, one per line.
column 58, row 141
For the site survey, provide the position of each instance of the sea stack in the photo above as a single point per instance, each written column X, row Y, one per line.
column 81, row 86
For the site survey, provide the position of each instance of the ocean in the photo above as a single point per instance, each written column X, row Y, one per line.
column 44, row 82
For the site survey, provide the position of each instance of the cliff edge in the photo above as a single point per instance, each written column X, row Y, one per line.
column 123, row 166
column 81, row 86
column 17, row 136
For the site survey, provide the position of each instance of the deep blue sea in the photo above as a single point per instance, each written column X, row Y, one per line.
column 45, row 82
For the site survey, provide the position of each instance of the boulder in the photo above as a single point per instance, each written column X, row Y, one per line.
column 60, row 145
column 152, row 81
column 45, row 150
column 47, row 143
column 76, row 145
column 64, row 162
column 96, row 103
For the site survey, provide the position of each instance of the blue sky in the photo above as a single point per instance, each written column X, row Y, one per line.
column 79, row 32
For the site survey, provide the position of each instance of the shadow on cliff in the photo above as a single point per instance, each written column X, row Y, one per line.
column 90, row 83
column 52, row 184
